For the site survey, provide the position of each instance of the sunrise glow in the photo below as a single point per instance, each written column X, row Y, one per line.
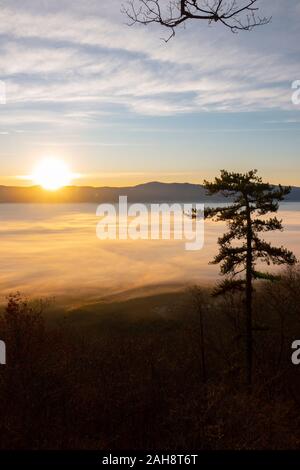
column 52, row 174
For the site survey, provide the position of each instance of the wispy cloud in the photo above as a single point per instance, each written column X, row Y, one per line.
column 67, row 55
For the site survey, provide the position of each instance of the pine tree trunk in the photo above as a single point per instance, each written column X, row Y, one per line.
column 249, row 339
column 203, row 364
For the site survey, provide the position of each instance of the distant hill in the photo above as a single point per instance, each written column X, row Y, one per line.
column 148, row 192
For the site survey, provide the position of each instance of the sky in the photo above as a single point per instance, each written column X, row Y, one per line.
column 123, row 107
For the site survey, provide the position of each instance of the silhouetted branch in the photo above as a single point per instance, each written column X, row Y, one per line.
column 234, row 14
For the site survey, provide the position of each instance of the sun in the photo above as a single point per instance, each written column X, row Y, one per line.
column 52, row 174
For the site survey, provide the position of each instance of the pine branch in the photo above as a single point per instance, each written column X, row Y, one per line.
column 229, row 285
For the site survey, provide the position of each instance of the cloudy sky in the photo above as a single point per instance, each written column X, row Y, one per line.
column 122, row 107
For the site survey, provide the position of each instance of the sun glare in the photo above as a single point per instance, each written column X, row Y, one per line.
column 52, row 174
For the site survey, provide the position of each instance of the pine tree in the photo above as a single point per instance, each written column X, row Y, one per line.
column 250, row 200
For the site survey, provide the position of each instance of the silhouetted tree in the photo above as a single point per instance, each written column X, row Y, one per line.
column 241, row 247
column 233, row 14
column 23, row 326
column 199, row 302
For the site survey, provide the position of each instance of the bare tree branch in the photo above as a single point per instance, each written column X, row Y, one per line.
column 236, row 15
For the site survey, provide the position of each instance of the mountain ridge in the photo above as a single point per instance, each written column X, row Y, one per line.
column 153, row 191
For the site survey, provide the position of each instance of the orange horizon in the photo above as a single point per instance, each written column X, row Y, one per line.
column 130, row 180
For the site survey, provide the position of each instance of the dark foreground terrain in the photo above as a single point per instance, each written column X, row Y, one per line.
column 142, row 374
